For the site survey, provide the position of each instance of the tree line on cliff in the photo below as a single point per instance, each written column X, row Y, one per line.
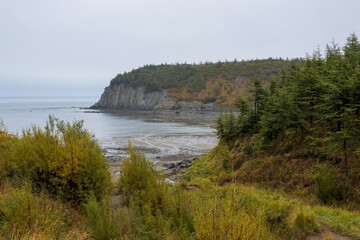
column 204, row 81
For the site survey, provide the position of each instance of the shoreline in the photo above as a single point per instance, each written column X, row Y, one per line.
column 187, row 116
column 173, row 169
column 163, row 150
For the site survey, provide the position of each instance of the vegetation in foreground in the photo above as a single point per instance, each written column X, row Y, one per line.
column 145, row 206
column 45, row 176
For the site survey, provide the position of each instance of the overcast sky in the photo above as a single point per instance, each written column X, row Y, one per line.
column 75, row 47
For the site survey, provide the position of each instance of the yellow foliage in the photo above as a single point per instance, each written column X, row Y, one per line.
column 216, row 88
column 223, row 216
column 304, row 224
column 140, row 182
column 8, row 168
column 63, row 158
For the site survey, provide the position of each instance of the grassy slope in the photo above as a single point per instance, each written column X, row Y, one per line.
column 262, row 178
column 212, row 203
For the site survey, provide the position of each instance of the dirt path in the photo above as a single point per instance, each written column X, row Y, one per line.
column 327, row 234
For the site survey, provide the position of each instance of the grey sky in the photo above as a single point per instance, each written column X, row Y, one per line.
column 75, row 47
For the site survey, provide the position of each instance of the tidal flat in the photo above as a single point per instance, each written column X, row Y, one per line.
column 171, row 136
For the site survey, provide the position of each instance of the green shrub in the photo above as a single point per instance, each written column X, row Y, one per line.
column 64, row 159
column 155, row 225
column 140, row 183
column 105, row 222
column 225, row 158
column 304, row 224
column 8, row 167
column 180, row 212
column 160, row 211
column 248, row 201
column 223, row 216
column 328, row 189
column 24, row 215
column 201, row 182
column 200, row 167
column 248, row 149
column 277, row 212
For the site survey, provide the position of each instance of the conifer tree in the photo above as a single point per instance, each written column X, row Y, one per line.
column 352, row 53
column 338, row 110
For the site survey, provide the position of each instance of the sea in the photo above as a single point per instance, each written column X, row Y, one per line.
column 161, row 136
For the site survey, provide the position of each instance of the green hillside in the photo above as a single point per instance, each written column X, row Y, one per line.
column 220, row 82
column 302, row 134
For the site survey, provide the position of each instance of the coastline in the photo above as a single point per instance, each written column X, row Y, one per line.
column 164, row 150
column 187, row 116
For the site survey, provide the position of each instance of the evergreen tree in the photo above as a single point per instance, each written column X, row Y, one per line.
column 352, row 53
column 259, row 95
column 282, row 113
column 309, row 91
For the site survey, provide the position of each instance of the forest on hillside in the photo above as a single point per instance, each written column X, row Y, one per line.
column 312, row 114
column 319, row 101
column 217, row 82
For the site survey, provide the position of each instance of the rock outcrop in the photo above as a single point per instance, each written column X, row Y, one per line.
column 124, row 97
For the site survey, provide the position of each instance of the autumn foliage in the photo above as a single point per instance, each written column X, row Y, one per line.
column 63, row 159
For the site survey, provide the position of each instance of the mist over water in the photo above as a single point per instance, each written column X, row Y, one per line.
column 160, row 137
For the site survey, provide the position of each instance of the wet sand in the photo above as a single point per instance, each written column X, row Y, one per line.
column 163, row 148
column 160, row 148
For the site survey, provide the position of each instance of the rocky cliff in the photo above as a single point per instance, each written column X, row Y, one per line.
column 124, row 97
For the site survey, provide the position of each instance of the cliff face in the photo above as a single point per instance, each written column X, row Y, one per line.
column 123, row 97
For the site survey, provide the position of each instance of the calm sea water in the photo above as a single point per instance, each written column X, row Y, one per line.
column 157, row 136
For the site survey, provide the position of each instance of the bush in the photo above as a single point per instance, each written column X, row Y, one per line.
column 105, row 222
column 180, row 212
column 64, row 159
column 277, row 212
column 140, row 183
column 201, row 167
column 304, row 224
column 224, row 216
column 24, row 215
column 157, row 210
column 248, row 149
column 328, row 189
column 8, row 167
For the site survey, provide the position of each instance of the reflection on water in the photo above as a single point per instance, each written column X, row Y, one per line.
column 158, row 135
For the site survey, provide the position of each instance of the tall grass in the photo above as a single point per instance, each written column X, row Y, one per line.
column 28, row 215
